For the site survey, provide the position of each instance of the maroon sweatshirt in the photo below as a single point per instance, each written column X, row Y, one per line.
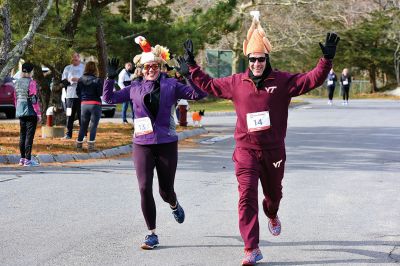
column 279, row 88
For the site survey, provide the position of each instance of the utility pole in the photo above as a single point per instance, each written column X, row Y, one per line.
column 131, row 11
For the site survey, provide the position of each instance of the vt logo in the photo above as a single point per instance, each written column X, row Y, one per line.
column 270, row 89
column 277, row 164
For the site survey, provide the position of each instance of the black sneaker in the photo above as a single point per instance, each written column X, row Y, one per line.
column 150, row 242
column 178, row 213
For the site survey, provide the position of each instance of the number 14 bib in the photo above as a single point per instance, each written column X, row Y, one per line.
column 258, row 121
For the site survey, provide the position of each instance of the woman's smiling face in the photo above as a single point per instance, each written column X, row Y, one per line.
column 151, row 70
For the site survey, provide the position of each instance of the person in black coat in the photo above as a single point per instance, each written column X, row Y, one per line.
column 331, row 84
column 89, row 90
column 345, row 82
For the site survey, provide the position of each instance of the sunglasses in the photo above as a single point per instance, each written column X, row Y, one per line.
column 153, row 66
column 259, row 59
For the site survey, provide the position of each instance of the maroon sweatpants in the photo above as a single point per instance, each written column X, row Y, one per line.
column 163, row 157
column 251, row 165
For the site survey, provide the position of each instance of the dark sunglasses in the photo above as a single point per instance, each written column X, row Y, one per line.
column 259, row 59
column 153, row 66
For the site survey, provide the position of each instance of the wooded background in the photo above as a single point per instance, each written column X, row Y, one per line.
column 46, row 32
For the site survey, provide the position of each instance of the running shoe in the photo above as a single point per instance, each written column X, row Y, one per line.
column 66, row 137
column 274, row 226
column 251, row 256
column 150, row 242
column 22, row 161
column 178, row 213
column 30, row 163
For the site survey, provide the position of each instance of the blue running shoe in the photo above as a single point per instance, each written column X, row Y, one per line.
column 150, row 242
column 251, row 257
column 178, row 213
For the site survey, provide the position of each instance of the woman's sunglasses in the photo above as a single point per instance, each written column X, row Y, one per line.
column 153, row 66
column 259, row 59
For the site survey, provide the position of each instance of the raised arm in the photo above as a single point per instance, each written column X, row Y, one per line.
column 305, row 82
column 302, row 83
column 189, row 92
column 109, row 95
column 219, row 87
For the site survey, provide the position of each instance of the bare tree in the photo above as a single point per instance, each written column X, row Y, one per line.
column 294, row 24
column 10, row 57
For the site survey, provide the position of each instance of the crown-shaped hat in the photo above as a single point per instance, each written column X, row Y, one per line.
column 256, row 40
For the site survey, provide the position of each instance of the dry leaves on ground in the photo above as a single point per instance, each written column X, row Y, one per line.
column 109, row 135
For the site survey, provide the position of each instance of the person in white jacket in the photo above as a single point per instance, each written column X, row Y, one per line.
column 124, row 79
column 70, row 77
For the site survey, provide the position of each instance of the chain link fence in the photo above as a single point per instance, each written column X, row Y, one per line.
column 357, row 87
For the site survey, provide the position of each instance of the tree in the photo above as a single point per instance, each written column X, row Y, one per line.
column 10, row 57
column 369, row 48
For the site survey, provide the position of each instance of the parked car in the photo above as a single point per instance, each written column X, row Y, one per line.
column 107, row 109
column 7, row 99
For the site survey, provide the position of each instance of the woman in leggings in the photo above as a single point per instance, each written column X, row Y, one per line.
column 155, row 139
column 28, row 112
column 89, row 90
column 345, row 82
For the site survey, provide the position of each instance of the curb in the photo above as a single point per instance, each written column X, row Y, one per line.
column 109, row 153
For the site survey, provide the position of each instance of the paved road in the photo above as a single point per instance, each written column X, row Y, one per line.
column 341, row 202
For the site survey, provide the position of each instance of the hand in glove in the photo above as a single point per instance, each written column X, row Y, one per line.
column 183, row 67
column 189, row 56
column 329, row 49
column 112, row 68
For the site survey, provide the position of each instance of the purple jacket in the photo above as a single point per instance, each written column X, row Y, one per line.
column 163, row 124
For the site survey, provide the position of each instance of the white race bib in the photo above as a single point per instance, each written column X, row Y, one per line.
column 142, row 126
column 345, row 82
column 69, row 111
column 330, row 82
column 258, row 121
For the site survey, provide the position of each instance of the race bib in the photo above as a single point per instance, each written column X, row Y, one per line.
column 142, row 126
column 330, row 82
column 345, row 82
column 258, row 121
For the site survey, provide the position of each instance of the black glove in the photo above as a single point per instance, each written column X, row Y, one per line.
column 112, row 68
column 329, row 49
column 189, row 56
column 65, row 83
column 183, row 67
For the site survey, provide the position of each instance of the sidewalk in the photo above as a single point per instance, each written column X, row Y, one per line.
column 108, row 153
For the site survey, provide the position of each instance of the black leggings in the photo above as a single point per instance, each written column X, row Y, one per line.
column 345, row 93
column 27, row 126
column 163, row 157
column 331, row 90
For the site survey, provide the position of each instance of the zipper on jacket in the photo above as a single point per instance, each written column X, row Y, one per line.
column 151, row 115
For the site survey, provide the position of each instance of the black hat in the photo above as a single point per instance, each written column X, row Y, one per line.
column 27, row 67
